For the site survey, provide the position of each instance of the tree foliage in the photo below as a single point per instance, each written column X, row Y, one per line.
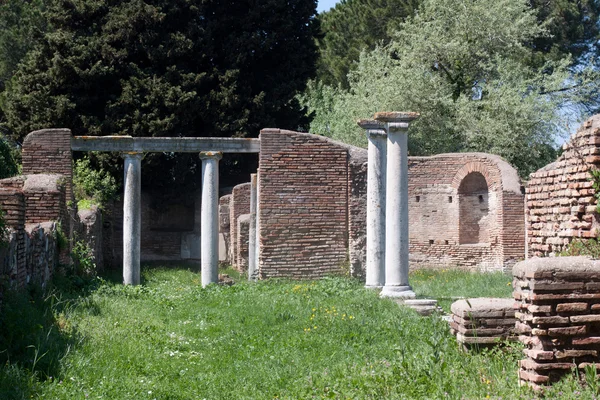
column 92, row 186
column 572, row 24
column 166, row 68
column 469, row 75
column 353, row 26
column 21, row 24
column 8, row 164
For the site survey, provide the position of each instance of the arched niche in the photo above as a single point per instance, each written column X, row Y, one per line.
column 473, row 220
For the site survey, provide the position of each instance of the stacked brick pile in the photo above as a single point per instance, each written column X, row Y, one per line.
column 558, row 312
column 483, row 321
column 560, row 198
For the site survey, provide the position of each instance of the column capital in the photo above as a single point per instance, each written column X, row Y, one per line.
column 373, row 128
column 132, row 154
column 396, row 120
column 211, row 155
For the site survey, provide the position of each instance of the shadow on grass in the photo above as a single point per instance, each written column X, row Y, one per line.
column 35, row 335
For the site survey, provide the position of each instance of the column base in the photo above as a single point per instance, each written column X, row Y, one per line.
column 374, row 287
column 398, row 292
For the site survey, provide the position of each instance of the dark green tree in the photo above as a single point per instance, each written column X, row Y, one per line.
column 21, row 24
column 353, row 26
column 572, row 24
column 166, row 68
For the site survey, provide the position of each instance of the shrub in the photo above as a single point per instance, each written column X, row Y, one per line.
column 8, row 164
column 92, row 186
column 578, row 247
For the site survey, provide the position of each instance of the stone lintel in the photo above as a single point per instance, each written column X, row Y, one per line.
column 164, row 144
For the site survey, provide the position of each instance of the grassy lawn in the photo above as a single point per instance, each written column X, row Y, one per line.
column 171, row 339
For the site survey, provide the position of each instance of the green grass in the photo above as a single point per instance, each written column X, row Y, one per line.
column 172, row 339
column 446, row 286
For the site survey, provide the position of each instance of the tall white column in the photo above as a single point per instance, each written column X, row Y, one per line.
column 252, row 232
column 376, row 172
column 132, row 218
column 209, row 214
column 396, row 210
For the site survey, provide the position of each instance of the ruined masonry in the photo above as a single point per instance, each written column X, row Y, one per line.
column 558, row 311
column 483, row 321
column 36, row 206
column 465, row 210
column 560, row 198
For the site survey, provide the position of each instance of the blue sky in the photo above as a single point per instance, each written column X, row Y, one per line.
column 325, row 5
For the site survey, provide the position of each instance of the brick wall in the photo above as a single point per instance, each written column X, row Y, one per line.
column 45, row 198
column 303, row 206
column 560, row 198
column 310, row 222
column 239, row 204
column 465, row 210
column 163, row 224
column 31, row 254
column 41, row 252
column 13, row 270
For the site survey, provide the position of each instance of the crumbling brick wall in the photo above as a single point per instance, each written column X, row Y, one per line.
column 243, row 235
column 239, row 204
column 560, row 199
column 13, row 261
column 224, row 224
column 558, row 311
column 45, row 199
column 34, row 205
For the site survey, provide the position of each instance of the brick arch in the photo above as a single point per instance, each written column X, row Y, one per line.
column 475, row 166
column 474, row 211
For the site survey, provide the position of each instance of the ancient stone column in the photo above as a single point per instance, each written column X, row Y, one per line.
column 396, row 204
column 375, row 268
column 252, row 233
column 132, row 218
column 209, row 214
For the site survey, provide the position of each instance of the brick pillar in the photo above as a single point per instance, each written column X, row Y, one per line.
column 557, row 303
column 48, row 151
